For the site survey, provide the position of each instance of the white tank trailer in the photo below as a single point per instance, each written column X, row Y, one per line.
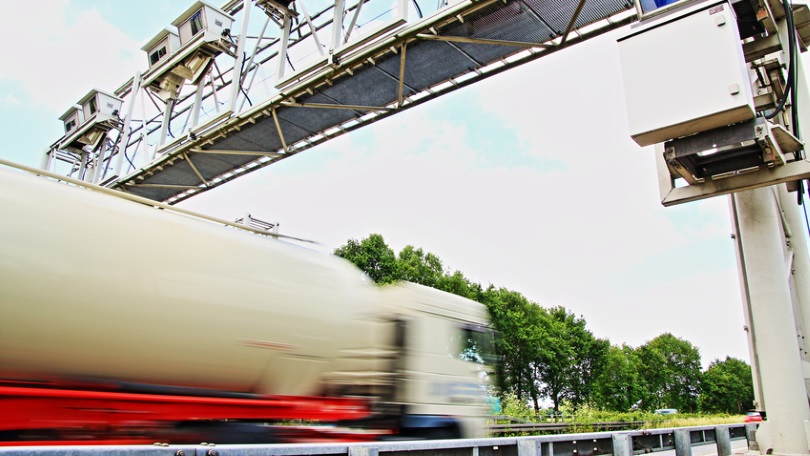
column 97, row 288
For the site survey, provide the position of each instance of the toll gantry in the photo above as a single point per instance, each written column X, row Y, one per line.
column 233, row 89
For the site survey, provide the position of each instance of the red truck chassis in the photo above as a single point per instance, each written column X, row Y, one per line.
column 44, row 416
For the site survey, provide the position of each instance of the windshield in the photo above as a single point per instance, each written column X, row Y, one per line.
column 477, row 345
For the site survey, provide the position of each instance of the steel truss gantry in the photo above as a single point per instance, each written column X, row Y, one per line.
column 298, row 74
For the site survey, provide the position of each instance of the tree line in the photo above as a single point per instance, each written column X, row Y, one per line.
column 548, row 355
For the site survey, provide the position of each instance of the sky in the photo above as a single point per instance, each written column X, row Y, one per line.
column 527, row 180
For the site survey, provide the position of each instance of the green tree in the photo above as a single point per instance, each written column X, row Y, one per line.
column 553, row 366
column 516, row 321
column 616, row 387
column 569, row 363
column 670, row 373
column 727, row 387
column 457, row 284
column 373, row 256
column 591, row 359
column 414, row 265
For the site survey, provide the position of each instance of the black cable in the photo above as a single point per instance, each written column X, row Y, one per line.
column 128, row 160
column 781, row 106
column 795, row 73
column 791, row 32
column 418, row 10
column 250, row 103
column 791, row 24
column 125, row 149
column 806, row 220
column 241, row 72
column 794, row 118
column 792, row 94
column 290, row 62
column 170, row 109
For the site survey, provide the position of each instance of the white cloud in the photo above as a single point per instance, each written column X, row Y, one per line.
column 10, row 99
column 59, row 54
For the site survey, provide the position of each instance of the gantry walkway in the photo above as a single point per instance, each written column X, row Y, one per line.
column 360, row 82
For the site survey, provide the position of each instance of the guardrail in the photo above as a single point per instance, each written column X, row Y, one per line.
column 501, row 429
column 622, row 443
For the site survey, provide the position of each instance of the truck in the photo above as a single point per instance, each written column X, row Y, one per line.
column 123, row 320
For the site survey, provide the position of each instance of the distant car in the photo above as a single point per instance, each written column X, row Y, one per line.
column 666, row 411
column 753, row 417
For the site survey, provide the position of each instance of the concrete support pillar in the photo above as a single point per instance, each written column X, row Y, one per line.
column 762, row 258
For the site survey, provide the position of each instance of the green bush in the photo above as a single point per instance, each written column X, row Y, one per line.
column 513, row 407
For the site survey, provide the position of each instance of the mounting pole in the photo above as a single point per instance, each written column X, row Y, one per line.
column 133, row 92
column 47, row 160
column 750, row 331
column 403, row 9
column 195, row 108
column 167, row 119
column 337, row 25
column 781, row 377
column 286, row 24
column 236, row 80
column 83, row 157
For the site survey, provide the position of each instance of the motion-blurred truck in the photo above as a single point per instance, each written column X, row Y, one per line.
column 129, row 321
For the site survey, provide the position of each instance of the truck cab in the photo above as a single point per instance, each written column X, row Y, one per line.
column 424, row 363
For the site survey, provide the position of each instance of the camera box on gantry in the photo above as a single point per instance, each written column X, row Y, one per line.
column 86, row 124
column 162, row 46
column 72, row 118
column 202, row 19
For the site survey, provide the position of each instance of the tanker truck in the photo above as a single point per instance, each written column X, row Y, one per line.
column 124, row 320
